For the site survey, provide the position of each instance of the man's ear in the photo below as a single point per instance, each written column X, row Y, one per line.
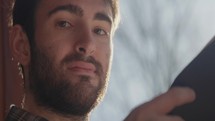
column 19, row 45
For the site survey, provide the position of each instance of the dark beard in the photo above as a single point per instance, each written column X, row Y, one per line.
column 52, row 90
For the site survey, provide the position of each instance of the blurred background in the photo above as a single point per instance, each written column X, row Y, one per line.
column 155, row 40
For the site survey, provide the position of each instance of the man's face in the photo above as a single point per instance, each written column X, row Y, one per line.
column 71, row 55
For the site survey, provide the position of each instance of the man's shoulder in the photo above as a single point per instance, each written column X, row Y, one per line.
column 18, row 114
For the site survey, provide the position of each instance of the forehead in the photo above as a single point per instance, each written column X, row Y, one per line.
column 87, row 5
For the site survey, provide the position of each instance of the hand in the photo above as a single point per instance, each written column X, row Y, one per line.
column 159, row 107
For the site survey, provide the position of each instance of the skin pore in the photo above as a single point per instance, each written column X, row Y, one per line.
column 67, row 67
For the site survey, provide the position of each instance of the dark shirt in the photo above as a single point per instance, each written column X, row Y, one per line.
column 18, row 114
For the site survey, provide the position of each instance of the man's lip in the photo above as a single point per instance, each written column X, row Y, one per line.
column 82, row 68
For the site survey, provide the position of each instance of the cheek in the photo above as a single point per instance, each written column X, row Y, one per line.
column 58, row 52
column 56, row 45
column 105, row 56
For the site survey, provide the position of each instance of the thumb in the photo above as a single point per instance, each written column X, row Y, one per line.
column 166, row 102
column 160, row 106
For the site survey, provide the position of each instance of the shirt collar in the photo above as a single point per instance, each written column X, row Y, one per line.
column 18, row 114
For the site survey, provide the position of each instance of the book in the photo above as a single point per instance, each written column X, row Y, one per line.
column 199, row 75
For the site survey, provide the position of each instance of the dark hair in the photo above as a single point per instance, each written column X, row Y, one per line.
column 115, row 10
column 24, row 15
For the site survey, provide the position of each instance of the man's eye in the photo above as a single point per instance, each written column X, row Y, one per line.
column 99, row 31
column 63, row 24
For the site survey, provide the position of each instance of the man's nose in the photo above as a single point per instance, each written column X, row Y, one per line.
column 86, row 43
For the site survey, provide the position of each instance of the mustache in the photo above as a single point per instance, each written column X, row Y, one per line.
column 88, row 59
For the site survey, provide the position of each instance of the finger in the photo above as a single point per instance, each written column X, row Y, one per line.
column 166, row 118
column 140, row 116
column 174, row 97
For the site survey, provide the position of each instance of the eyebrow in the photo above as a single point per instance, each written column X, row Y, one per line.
column 70, row 8
column 74, row 9
column 103, row 17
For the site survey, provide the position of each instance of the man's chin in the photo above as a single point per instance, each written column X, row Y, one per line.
column 84, row 80
column 78, row 99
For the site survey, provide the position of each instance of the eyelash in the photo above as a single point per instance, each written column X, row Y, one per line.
column 63, row 24
column 98, row 31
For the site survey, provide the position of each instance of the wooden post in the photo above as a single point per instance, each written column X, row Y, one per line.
column 10, row 82
column 2, row 84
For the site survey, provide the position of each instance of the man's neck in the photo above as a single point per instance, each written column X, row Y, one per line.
column 31, row 106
